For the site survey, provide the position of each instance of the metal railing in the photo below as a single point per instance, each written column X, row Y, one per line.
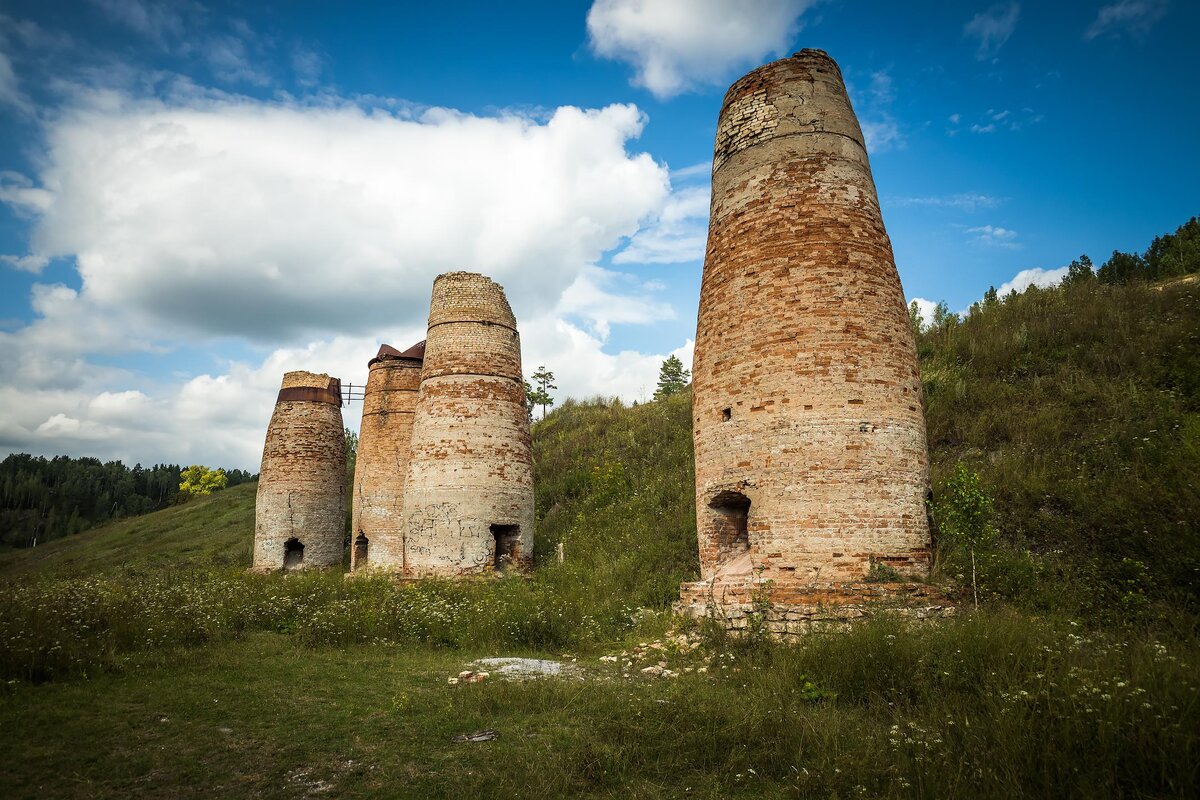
column 352, row 392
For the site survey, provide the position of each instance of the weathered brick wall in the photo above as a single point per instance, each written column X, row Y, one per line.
column 471, row 465
column 384, row 439
column 807, row 399
column 301, row 484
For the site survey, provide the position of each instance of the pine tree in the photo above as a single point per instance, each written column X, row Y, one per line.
column 543, row 382
column 672, row 378
column 1079, row 270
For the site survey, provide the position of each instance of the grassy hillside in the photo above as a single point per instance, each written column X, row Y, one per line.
column 207, row 531
column 1079, row 408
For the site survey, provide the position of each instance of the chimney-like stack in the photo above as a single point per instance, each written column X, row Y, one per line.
column 300, row 511
column 468, row 496
column 811, row 459
column 389, row 400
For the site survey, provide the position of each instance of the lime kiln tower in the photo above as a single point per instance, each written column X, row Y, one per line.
column 811, row 459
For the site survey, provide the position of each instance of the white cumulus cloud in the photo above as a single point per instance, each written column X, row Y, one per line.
column 995, row 236
column 1032, row 277
column 676, row 45
column 677, row 235
column 239, row 217
column 925, row 309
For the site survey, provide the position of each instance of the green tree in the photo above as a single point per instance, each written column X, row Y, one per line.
column 1175, row 253
column 543, row 382
column 672, row 378
column 198, row 480
column 990, row 297
column 1122, row 268
column 351, row 452
column 963, row 512
column 1079, row 271
column 529, row 404
column 914, row 318
column 942, row 315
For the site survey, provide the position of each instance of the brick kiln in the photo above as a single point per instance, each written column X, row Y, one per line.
column 468, row 495
column 811, row 463
column 300, row 510
column 389, row 401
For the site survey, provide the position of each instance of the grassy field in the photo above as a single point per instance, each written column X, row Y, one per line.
column 139, row 659
column 996, row 706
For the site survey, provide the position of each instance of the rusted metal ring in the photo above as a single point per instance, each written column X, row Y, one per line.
column 331, row 395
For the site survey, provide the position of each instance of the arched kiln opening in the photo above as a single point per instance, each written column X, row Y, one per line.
column 361, row 548
column 508, row 542
column 728, row 527
column 293, row 553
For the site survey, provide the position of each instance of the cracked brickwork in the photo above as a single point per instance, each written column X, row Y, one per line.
column 469, row 484
column 384, row 440
column 807, row 413
column 301, row 483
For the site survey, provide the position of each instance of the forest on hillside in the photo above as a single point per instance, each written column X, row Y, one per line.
column 44, row 499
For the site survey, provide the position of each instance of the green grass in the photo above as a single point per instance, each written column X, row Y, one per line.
column 206, row 531
column 988, row 706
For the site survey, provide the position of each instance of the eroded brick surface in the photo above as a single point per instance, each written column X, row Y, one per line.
column 469, row 484
column 301, row 484
column 807, row 399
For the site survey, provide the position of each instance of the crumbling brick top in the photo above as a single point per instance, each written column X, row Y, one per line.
column 310, row 387
column 803, row 94
column 469, row 297
column 313, row 380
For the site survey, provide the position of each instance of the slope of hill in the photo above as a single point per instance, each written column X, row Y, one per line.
column 1079, row 407
column 214, row 530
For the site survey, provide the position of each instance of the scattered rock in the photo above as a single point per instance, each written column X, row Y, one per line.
column 485, row 735
column 521, row 668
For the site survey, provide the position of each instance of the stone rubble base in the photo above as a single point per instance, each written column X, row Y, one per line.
column 789, row 612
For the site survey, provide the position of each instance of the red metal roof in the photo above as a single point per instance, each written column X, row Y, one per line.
column 386, row 351
column 417, row 351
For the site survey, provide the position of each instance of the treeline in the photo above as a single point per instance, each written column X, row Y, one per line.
column 1172, row 255
column 43, row 499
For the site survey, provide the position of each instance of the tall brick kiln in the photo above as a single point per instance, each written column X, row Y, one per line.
column 811, row 459
column 389, row 401
column 468, row 497
column 300, row 511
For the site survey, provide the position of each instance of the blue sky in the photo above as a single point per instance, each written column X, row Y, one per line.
column 197, row 196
